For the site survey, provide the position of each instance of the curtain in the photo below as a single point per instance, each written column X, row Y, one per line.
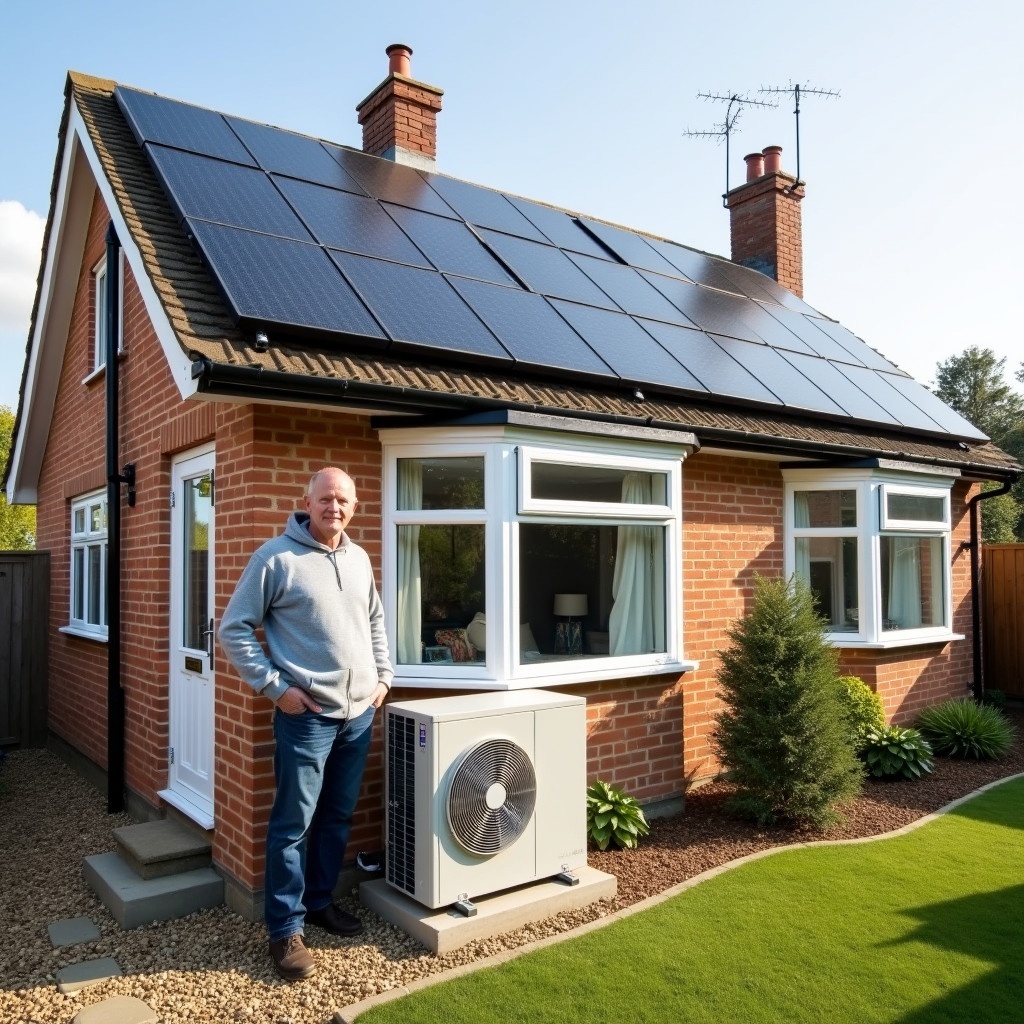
column 410, row 496
column 904, row 583
column 636, row 624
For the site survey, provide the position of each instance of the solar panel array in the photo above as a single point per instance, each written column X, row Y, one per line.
column 306, row 237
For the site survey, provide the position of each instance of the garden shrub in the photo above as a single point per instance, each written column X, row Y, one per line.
column 964, row 728
column 613, row 817
column 862, row 707
column 894, row 751
column 784, row 740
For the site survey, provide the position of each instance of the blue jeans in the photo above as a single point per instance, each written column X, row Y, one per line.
column 318, row 766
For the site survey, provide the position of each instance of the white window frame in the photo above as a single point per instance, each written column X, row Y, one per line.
column 99, row 324
column 872, row 486
column 508, row 454
column 83, row 540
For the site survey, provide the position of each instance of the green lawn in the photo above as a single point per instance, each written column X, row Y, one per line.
column 919, row 929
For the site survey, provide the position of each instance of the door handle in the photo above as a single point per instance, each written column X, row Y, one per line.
column 207, row 635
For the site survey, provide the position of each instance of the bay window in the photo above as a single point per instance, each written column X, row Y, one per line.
column 874, row 547
column 529, row 554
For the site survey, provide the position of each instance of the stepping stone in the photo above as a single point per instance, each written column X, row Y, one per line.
column 86, row 973
column 117, row 1010
column 72, row 931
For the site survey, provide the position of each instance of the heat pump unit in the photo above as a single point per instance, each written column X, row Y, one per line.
column 485, row 792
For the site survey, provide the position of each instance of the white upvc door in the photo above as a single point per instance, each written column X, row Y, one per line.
column 192, row 639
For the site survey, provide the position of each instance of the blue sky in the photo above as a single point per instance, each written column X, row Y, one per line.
column 913, row 226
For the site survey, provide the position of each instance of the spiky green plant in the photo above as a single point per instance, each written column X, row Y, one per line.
column 613, row 817
column 964, row 728
column 895, row 751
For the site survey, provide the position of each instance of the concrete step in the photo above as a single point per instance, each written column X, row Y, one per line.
column 135, row 901
column 157, row 848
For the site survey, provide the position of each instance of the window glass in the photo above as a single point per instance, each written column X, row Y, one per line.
column 921, row 508
column 590, row 590
column 829, row 566
column 78, row 588
column 824, row 509
column 561, row 481
column 912, row 582
column 441, row 587
column 441, row 483
column 94, row 614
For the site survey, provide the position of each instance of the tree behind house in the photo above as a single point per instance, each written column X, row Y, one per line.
column 783, row 739
column 17, row 522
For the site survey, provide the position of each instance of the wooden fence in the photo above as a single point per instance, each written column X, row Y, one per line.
column 24, row 617
column 1002, row 614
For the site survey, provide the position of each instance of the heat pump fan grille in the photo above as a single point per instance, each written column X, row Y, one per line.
column 492, row 797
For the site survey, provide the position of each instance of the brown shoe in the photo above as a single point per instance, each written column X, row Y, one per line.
column 291, row 958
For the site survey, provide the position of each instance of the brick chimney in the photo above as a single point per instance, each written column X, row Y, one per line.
column 765, row 220
column 399, row 117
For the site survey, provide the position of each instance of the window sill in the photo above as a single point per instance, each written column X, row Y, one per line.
column 884, row 645
column 84, row 634
column 539, row 675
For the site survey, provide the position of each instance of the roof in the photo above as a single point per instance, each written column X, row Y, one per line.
column 785, row 369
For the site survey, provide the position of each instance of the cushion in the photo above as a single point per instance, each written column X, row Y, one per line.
column 527, row 644
column 476, row 632
column 457, row 642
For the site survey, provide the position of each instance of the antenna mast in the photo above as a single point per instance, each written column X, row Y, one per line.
column 736, row 103
column 797, row 90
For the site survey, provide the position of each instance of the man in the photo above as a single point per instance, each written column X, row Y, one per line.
column 326, row 668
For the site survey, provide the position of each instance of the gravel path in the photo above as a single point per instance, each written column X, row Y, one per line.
column 213, row 967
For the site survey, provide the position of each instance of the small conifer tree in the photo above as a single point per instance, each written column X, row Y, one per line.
column 784, row 739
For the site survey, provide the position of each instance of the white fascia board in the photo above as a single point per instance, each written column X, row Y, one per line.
column 81, row 171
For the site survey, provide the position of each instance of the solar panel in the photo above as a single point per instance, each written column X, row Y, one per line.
column 227, row 193
column 859, row 349
column 344, row 221
column 449, row 245
column 560, row 228
column 933, row 406
column 631, row 248
column 181, row 125
column 795, row 391
column 299, row 156
column 694, row 265
column 419, row 307
column 269, row 280
column 395, row 183
column 898, row 406
column 545, row 269
column 483, row 207
column 759, row 286
column 846, row 394
column 627, row 287
column 627, row 348
column 710, row 363
column 530, row 329
column 816, row 340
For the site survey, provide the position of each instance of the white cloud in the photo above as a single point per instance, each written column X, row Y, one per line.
column 21, row 239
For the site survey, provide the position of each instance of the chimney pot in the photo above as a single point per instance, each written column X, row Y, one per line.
column 755, row 165
column 772, row 159
column 399, row 59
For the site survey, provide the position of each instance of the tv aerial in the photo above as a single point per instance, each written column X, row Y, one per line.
column 735, row 102
column 797, row 91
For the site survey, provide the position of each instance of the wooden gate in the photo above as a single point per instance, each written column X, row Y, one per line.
column 24, row 619
column 1002, row 613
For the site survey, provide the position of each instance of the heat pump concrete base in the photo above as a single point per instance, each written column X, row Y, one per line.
column 446, row 929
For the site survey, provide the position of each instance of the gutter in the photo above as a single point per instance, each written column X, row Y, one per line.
column 978, row 687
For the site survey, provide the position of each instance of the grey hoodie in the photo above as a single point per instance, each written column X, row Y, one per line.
column 322, row 618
